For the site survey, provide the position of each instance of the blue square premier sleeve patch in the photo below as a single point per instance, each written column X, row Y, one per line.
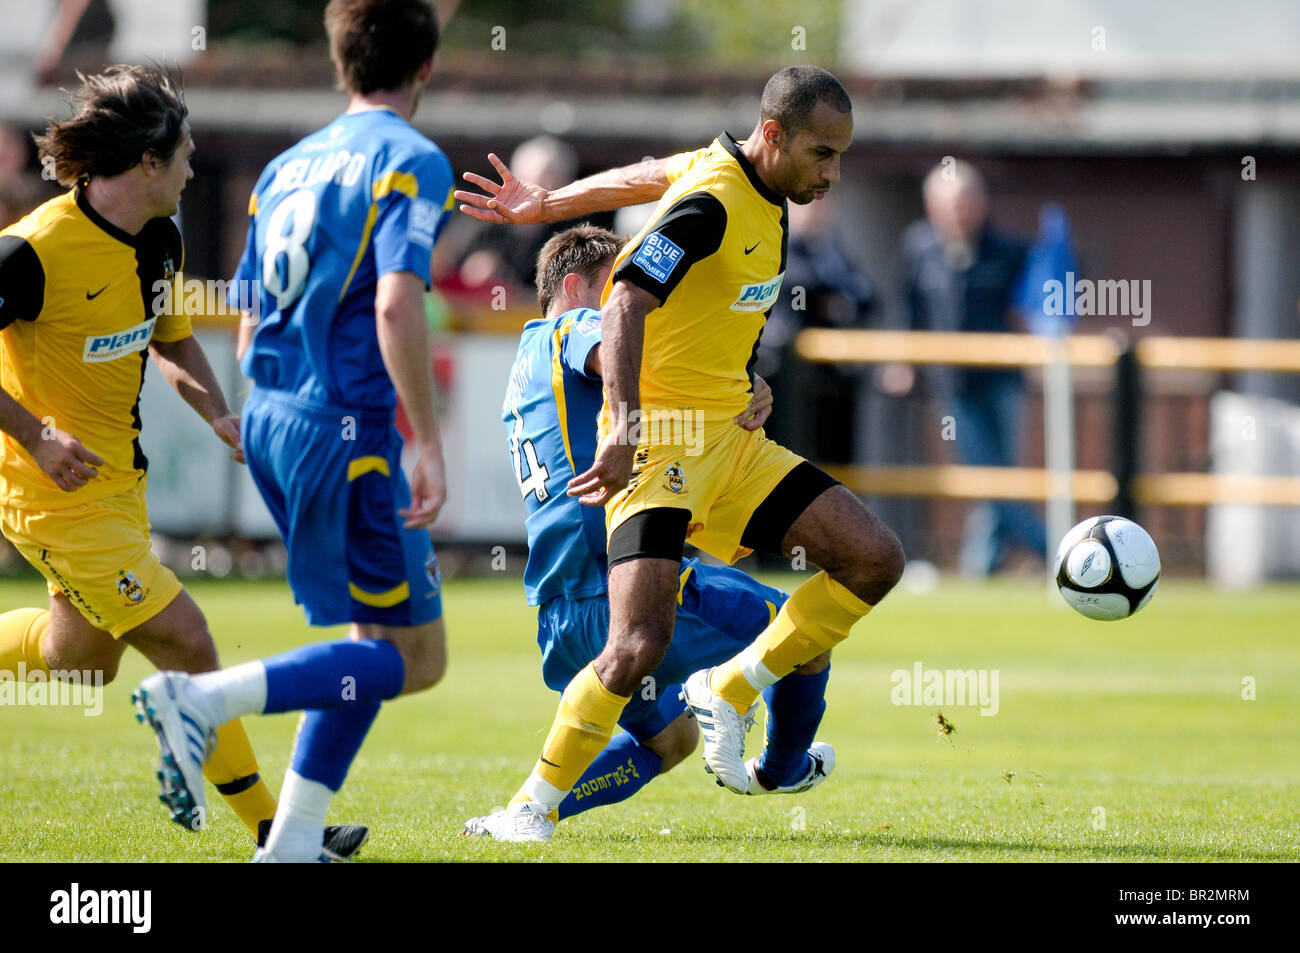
column 658, row 256
column 423, row 222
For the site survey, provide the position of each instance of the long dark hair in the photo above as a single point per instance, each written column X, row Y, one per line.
column 118, row 116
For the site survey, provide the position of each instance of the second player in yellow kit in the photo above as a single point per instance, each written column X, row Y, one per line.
column 78, row 323
column 88, row 292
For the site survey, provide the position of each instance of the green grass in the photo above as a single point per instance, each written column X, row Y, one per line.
column 1144, row 719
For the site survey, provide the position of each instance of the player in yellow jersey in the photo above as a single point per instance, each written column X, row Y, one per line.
column 82, row 279
column 681, row 316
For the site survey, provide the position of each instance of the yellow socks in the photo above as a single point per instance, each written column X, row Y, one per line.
column 816, row 618
column 583, row 726
column 22, row 633
column 233, row 770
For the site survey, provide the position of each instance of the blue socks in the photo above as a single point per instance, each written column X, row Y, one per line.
column 795, row 706
column 621, row 769
column 339, row 687
column 328, row 741
column 334, row 675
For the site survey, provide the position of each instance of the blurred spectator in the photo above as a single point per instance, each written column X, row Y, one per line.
column 509, row 252
column 21, row 190
column 21, row 194
column 15, row 152
column 961, row 274
column 83, row 32
column 813, row 409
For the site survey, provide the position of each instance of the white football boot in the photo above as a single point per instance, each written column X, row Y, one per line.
column 186, row 738
column 822, row 758
column 724, row 732
column 526, row 821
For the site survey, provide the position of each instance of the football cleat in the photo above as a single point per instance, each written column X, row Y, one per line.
column 185, row 741
column 724, row 732
column 526, row 821
column 342, row 841
column 822, row 762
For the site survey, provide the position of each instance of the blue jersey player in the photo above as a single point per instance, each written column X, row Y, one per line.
column 340, row 239
column 550, row 409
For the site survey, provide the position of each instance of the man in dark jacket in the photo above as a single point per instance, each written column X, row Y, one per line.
column 960, row 275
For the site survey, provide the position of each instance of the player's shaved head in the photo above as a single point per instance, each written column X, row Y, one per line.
column 380, row 45
column 806, row 124
column 118, row 116
column 583, row 249
column 792, row 94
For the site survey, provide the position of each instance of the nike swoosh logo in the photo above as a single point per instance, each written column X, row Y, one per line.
column 756, row 244
column 551, row 763
column 92, row 297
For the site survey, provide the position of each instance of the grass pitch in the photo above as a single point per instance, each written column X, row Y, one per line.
column 1126, row 741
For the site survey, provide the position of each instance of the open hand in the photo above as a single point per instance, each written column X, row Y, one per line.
column 512, row 202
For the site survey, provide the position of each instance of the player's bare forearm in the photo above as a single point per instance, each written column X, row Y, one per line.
column 622, row 336
column 644, row 181
column 19, row 422
column 247, row 325
column 187, row 370
column 513, row 201
column 404, row 344
column 622, row 323
column 403, row 333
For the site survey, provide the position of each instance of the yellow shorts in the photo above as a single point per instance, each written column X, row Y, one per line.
column 716, row 469
column 98, row 555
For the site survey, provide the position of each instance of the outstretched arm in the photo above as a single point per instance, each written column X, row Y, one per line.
column 186, row 368
column 516, row 202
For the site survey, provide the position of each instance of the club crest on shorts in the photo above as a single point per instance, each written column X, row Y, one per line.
column 675, row 478
column 128, row 586
column 434, row 573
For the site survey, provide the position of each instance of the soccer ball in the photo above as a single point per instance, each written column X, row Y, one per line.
column 1107, row 567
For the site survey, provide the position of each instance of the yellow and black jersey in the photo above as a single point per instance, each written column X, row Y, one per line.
column 714, row 255
column 80, row 302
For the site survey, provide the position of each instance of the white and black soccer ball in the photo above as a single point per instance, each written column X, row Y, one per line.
column 1107, row 567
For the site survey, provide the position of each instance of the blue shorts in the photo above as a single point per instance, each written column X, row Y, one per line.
column 720, row 611
column 333, row 481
